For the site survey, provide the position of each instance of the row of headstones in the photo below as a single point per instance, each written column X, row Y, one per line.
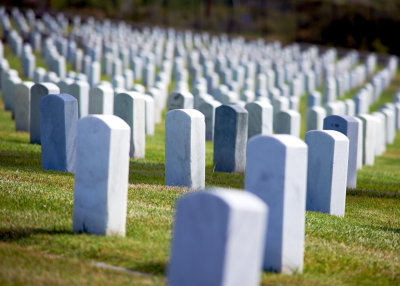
column 135, row 108
column 270, row 237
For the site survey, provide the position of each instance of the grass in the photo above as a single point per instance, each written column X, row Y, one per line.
column 37, row 245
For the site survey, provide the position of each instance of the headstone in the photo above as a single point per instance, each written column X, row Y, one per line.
column 80, row 90
column 58, row 124
column 101, row 100
column 390, row 125
column 130, row 106
column 349, row 127
column 288, row 122
column 328, row 155
column 23, row 106
column 185, row 148
column 260, row 118
column 218, row 239
column 149, row 114
column 315, row 118
column 276, row 171
column 37, row 92
column 230, row 139
column 208, row 109
column 369, row 128
column 360, row 145
column 101, row 177
column 180, row 100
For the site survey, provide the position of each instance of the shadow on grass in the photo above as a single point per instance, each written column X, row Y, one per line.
column 13, row 234
column 155, row 268
column 373, row 193
column 142, row 172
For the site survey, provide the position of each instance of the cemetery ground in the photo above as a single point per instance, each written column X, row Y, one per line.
column 37, row 245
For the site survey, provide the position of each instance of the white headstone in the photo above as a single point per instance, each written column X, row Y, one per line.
column 101, row 177
column 185, row 148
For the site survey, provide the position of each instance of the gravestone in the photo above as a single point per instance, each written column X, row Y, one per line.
column 315, row 118
column 23, row 106
column 380, row 124
column 101, row 177
column 185, row 148
column 349, row 127
column 9, row 89
column 328, row 155
column 218, row 239
column 208, row 109
column 369, row 128
column 390, row 125
column 101, row 100
column 58, row 123
column 287, row 122
column 180, row 100
column 230, row 139
column 276, row 171
column 80, row 90
column 38, row 90
column 360, row 145
column 260, row 118
column 130, row 106
column 149, row 114
column 64, row 84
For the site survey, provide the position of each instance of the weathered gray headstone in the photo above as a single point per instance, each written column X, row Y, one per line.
column 348, row 126
column 80, row 90
column 287, row 122
column 58, row 124
column 208, row 109
column 101, row 100
column 276, row 171
column 230, row 139
column 185, row 148
column 39, row 90
column 315, row 118
column 130, row 106
column 328, row 155
column 180, row 100
column 101, row 176
column 260, row 118
column 23, row 106
column 218, row 239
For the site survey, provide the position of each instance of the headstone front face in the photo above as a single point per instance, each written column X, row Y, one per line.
column 208, row 109
column 349, row 127
column 380, row 139
column 37, row 92
column 288, row 122
column 276, row 171
column 369, row 128
column 23, row 106
column 328, row 155
column 149, row 114
column 130, row 106
column 101, row 100
column 230, row 139
column 101, row 177
column 315, row 118
column 180, row 100
column 185, row 148
column 58, row 123
column 218, row 239
column 360, row 145
column 260, row 118
column 80, row 90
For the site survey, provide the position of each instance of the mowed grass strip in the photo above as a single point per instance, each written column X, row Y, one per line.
column 37, row 245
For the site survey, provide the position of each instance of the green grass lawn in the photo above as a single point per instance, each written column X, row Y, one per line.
column 37, row 245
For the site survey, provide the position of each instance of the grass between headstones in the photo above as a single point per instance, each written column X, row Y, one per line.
column 37, row 244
